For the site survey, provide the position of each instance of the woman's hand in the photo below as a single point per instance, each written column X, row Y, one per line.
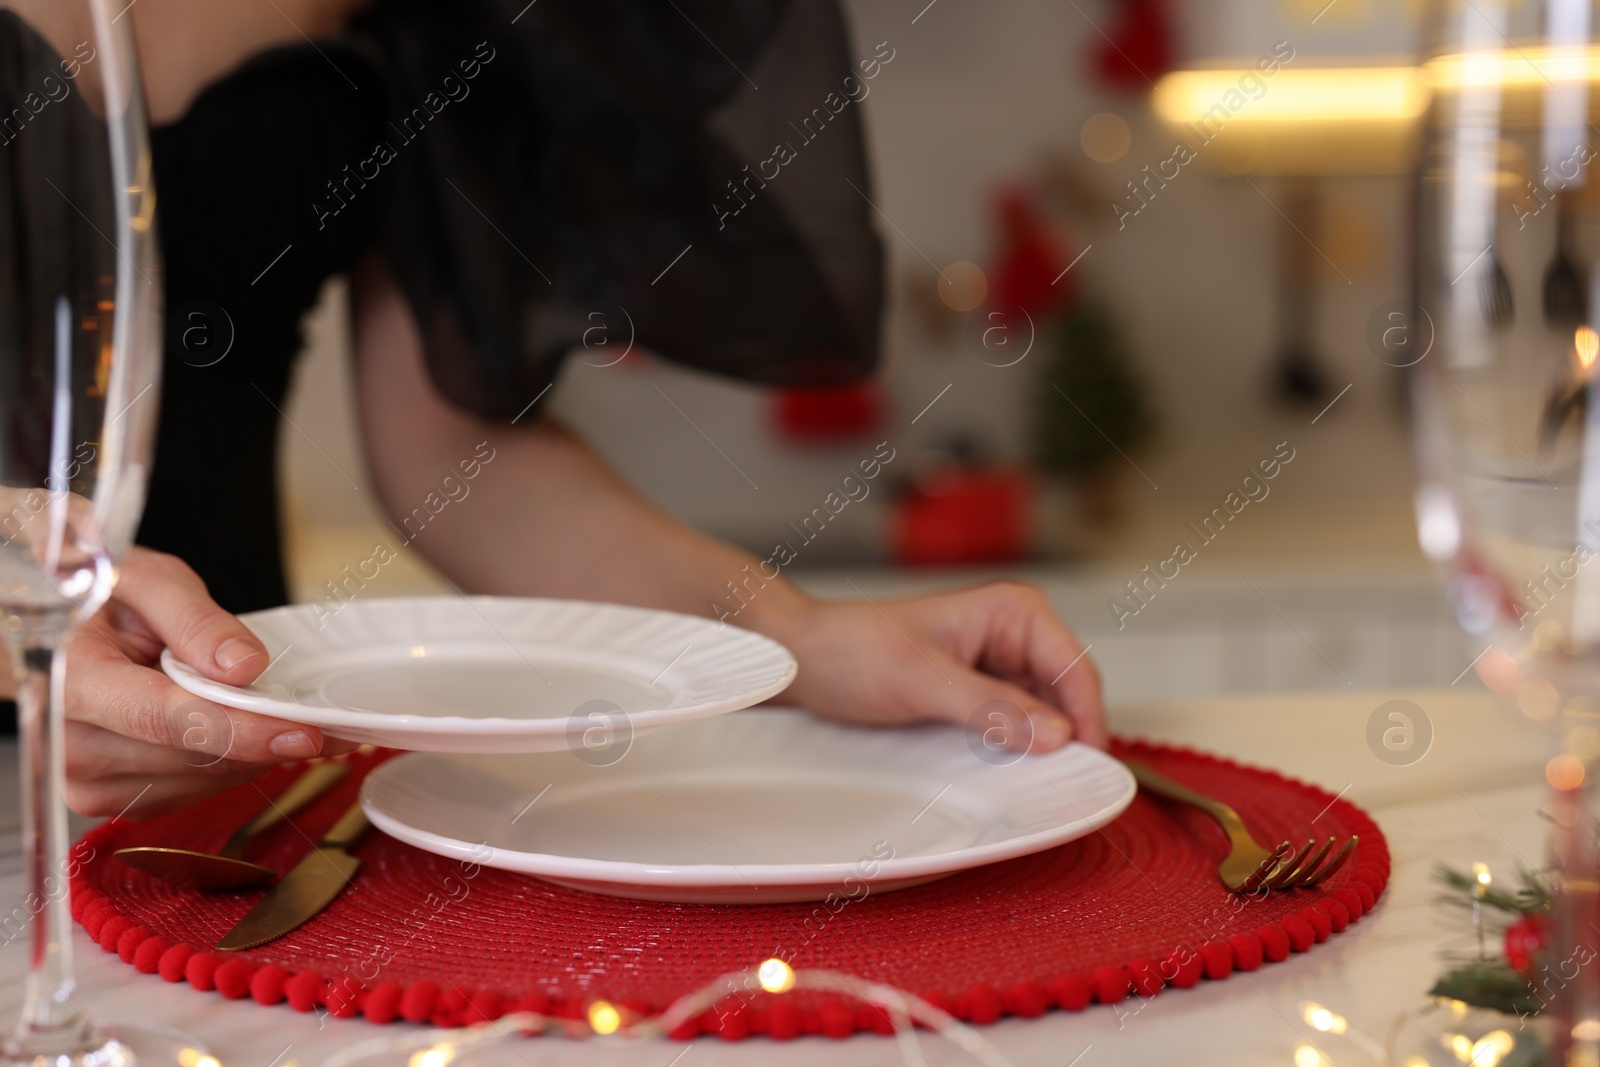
column 993, row 658
column 135, row 740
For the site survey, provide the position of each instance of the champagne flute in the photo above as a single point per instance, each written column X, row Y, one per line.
column 80, row 361
column 1508, row 414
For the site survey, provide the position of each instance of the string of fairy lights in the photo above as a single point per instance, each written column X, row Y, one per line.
column 913, row 1018
column 605, row 1022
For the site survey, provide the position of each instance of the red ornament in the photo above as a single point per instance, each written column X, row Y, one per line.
column 1525, row 939
column 1138, row 49
column 1029, row 272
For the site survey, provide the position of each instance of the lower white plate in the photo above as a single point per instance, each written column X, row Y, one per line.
column 761, row 806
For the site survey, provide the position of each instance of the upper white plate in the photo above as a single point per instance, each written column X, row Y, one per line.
column 496, row 674
column 763, row 806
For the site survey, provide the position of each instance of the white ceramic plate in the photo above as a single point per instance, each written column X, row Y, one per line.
column 497, row 674
column 763, row 806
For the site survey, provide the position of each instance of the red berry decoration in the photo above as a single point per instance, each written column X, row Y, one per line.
column 1525, row 939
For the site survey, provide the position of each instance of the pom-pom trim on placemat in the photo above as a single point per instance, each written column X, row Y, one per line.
column 153, row 927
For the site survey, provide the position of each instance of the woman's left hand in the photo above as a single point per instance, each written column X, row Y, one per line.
column 994, row 658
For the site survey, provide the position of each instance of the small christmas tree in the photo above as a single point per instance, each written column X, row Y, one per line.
column 1092, row 407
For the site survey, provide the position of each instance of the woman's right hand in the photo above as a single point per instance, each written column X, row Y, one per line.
column 138, row 743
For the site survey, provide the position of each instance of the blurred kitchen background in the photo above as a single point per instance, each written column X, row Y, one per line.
column 1191, row 313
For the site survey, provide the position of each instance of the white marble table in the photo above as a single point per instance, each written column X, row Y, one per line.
column 1474, row 796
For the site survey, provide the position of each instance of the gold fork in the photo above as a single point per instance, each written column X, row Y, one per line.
column 1249, row 867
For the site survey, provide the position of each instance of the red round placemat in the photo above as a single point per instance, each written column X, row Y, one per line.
column 1122, row 913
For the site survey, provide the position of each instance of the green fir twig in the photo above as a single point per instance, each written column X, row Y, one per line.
column 1532, row 895
column 1488, row 984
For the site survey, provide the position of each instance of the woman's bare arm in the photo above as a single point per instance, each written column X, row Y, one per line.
column 547, row 517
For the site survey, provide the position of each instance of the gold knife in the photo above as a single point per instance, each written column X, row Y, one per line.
column 311, row 885
column 228, row 869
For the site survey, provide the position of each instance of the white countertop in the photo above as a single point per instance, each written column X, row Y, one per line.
column 1474, row 796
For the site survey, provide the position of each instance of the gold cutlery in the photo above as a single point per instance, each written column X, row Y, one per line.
column 311, row 885
column 1249, row 867
column 227, row 868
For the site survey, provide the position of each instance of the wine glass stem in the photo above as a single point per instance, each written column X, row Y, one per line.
column 50, row 1025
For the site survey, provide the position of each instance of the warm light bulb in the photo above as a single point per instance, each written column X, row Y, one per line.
column 962, row 286
column 432, row 1056
column 1106, row 137
column 1515, row 68
column 1347, row 94
column 1480, row 871
column 1328, row 1022
column 775, row 976
column 1320, row 1018
column 1306, row 1056
column 1587, row 344
column 603, row 1018
column 1491, row 1048
column 1564, row 772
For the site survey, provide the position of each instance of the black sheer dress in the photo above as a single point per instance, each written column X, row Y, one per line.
column 521, row 167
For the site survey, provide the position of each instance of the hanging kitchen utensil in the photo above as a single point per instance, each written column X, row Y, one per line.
column 1566, row 288
column 1494, row 292
column 1298, row 375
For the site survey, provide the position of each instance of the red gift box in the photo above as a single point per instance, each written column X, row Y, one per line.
column 831, row 413
column 969, row 515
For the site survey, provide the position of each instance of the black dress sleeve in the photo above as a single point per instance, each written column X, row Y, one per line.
column 689, row 175
column 240, row 179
